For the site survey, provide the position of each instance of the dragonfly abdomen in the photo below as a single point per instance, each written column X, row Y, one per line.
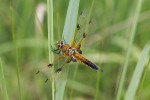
column 85, row 61
column 90, row 64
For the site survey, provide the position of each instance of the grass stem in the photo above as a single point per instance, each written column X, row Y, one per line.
column 15, row 49
column 51, row 40
column 3, row 84
column 127, row 58
column 97, row 85
column 143, row 79
column 74, row 76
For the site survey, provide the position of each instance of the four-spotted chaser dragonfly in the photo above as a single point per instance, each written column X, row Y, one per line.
column 73, row 52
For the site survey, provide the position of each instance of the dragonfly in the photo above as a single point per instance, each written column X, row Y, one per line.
column 73, row 52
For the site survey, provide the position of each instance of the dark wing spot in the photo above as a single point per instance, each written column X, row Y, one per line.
column 50, row 65
column 84, row 35
column 78, row 26
column 46, row 80
column 58, row 70
column 90, row 22
column 79, row 46
column 37, row 72
column 81, row 12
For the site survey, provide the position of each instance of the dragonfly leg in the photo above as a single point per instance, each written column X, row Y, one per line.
column 57, row 51
column 73, row 59
column 69, row 59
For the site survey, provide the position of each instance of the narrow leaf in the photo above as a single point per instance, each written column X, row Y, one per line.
column 68, row 33
column 3, row 84
column 50, row 39
column 127, row 58
column 137, row 73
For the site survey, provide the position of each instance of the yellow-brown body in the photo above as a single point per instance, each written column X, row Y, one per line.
column 73, row 53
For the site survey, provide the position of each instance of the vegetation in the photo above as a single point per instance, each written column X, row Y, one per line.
column 119, row 43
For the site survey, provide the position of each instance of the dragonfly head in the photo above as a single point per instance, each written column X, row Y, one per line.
column 59, row 44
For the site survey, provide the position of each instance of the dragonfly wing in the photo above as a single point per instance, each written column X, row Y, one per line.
column 88, row 29
column 46, row 70
column 80, row 26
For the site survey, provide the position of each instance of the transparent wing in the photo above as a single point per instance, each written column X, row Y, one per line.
column 45, row 71
column 83, row 28
column 91, row 27
column 81, row 24
column 88, row 29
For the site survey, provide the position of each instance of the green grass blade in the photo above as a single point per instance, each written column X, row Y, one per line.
column 68, row 33
column 131, row 91
column 71, row 19
column 133, row 30
column 74, row 76
column 143, row 79
column 97, row 86
column 51, row 39
column 15, row 50
column 3, row 84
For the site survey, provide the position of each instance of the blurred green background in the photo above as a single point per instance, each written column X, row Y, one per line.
column 106, row 46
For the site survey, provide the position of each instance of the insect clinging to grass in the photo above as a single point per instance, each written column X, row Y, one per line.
column 73, row 52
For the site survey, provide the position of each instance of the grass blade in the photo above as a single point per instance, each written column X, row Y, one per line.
column 97, row 85
column 70, row 22
column 133, row 30
column 68, row 33
column 51, row 40
column 2, row 79
column 15, row 49
column 137, row 73
column 143, row 79
column 74, row 76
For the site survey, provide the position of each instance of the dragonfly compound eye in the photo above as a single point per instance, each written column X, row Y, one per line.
column 58, row 44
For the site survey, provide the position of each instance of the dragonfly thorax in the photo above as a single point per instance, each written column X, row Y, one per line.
column 65, row 48
column 68, row 50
